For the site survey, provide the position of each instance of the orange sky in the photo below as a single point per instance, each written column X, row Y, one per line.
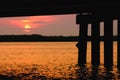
column 44, row 25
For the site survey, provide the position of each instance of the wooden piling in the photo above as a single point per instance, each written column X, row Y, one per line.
column 108, row 42
column 82, row 44
column 95, row 43
column 118, row 45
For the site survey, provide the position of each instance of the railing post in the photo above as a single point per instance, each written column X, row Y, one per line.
column 82, row 20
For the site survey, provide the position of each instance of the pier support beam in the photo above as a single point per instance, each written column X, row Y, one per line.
column 95, row 42
column 82, row 20
column 118, row 45
column 108, row 43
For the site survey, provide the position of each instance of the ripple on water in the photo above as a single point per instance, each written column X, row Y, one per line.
column 41, row 62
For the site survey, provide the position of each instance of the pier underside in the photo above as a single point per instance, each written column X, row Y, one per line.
column 9, row 8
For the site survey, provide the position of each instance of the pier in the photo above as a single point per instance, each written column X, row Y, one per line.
column 88, row 12
column 83, row 21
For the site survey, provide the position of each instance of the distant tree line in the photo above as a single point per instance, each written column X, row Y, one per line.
column 40, row 38
column 35, row 38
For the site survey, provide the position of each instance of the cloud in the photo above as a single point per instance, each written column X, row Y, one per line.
column 34, row 21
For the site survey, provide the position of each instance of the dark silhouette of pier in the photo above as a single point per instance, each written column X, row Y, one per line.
column 88, row 12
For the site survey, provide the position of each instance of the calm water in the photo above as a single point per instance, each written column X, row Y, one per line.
column 48, row 61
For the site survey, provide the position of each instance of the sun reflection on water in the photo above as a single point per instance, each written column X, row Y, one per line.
column 46, row 61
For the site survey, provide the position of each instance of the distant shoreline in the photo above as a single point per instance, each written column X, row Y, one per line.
column 40, row 38
column 37, row 38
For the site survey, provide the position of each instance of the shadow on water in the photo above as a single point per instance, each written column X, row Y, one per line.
column 95, row 73
column 23, row 76
column 83, row 72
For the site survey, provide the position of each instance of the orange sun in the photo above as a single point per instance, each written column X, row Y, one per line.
column 27, row 26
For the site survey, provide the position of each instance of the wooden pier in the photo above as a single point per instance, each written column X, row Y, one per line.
column 88, row 12
column 83, row 21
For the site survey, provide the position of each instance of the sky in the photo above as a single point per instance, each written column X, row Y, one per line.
column 51, row 25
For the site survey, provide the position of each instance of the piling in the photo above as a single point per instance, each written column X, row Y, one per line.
column 82, row 44
column 118, row 45
column 95, row 57
column 108, row 42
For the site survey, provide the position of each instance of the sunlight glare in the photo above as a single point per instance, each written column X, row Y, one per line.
column 27, row 26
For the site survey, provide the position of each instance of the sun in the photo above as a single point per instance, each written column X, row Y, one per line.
column 27, row 26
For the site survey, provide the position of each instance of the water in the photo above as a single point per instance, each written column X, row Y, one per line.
column 50, row 61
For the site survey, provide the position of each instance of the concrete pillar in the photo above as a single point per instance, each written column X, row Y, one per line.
column 108, row 42
column 82, row 20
